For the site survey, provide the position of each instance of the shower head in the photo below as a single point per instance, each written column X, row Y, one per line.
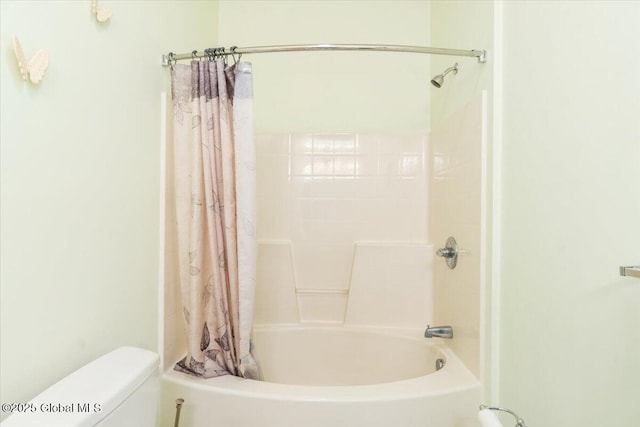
column 438, row 80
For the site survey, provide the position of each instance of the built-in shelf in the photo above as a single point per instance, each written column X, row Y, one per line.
column 631, row 271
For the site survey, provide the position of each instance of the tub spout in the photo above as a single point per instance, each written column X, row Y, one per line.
column 438, row 331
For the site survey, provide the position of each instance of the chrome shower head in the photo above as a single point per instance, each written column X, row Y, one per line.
column 438, row 80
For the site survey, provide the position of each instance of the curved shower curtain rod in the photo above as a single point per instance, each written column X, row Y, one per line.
column 171, row 57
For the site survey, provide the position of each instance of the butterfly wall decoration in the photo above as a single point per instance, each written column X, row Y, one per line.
column 33, row 69
column 103, row 14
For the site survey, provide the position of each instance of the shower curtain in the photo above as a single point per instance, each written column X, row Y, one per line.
column 214, row 167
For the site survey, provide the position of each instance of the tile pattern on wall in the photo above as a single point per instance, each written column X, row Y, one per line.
column 324, row 192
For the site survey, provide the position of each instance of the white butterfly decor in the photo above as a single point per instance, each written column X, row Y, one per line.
column 37, row 65
column 103, row 14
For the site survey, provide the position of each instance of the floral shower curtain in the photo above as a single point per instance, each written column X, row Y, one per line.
column 214, row 161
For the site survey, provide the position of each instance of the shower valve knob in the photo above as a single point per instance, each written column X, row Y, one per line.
column 446, row 252
column 449, row 252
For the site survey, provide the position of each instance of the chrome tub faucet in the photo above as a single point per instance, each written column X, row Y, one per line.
column 438, row 331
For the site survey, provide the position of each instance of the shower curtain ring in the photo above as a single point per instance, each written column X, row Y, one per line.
column 223, row 55
column 171, row 60
column 194, row 55
column 233, row 54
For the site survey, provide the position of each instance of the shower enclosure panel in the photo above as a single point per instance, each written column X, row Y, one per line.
column 457, row 208
column 327, row 194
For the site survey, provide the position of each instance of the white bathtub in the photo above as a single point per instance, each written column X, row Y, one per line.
column 332, row 377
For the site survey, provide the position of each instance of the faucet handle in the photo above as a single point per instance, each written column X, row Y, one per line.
column 446, row 252
column 449, row 252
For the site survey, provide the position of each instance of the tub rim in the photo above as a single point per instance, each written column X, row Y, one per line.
column 452, row 378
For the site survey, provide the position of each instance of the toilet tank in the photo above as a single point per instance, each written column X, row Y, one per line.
column 119, row 389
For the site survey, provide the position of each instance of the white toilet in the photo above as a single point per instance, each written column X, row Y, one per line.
column 119, row 389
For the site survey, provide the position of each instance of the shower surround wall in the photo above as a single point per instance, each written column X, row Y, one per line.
column 346, row 224
column 346, row 228
column 457, row 208
column 341, row 217
column 342, row 229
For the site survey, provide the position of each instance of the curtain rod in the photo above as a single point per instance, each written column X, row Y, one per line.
column 234, row 50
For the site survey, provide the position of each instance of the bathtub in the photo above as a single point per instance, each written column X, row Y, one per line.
column 332, row 377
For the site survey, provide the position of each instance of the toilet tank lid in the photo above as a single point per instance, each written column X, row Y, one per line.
column 89, row 394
